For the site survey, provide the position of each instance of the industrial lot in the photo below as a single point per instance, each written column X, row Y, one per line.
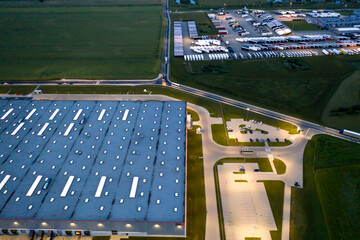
column 238, row 122
column 93, row 166
column 262, row 34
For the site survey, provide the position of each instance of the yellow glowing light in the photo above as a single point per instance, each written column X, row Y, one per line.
column 156, row 226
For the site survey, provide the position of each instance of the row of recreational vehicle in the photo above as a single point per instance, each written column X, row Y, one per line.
column 219, row 56
column 193, row 57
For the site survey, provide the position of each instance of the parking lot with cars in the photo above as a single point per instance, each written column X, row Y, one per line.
column 261, row 34
column 253, row 131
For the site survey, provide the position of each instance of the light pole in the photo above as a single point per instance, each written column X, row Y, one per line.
column 247, row 114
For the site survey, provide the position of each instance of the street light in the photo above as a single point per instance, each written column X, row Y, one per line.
column 247, row 114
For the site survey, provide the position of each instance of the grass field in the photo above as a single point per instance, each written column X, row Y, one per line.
column 301, row 26
column 327, row 207
column 81, row 42
column 271, row 83
column 203, row 24
column 72, row 3
column 196, row 206
column 16, row 89
column 338, row 110
column 275, row 193
column 280, row 144
column 194, row 115
column 279, row 166
column 264, row 164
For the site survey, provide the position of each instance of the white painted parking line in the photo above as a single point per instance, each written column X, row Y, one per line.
column 101, row 114
column 7, row 113
column 30, row 114
column 77, row 114
column 43, row 129
column 17, row 129
column 68, row 129
column 33, row 186
column 54, row 114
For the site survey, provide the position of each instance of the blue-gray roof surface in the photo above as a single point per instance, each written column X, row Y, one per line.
column 149, row 144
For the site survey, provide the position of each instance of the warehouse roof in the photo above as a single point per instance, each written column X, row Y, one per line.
column 90, row 160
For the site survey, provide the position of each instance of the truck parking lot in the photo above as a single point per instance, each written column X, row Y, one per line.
column 261, row 34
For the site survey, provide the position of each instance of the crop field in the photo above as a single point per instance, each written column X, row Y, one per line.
column 203, row 24
column 271, row 83
column 301, row 26
column 55, row 3
column 343, row 109
column 327, row 207
column 80, row 42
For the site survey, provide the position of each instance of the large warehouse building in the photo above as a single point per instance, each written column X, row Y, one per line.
column 91, row 168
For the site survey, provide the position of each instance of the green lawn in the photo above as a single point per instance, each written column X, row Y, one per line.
column 264, row 164
column 203, row 23
column 327, row 207
column 346, row 12
column 194, row 115
column 16, row 89
column 275, row 193
column 298, row 87
column 279, row 144
column 196, row 205
column 81, row 42
column 279, row 166
column 301, row 26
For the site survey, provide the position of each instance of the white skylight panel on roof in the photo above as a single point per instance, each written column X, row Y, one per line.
column 100, row 186
column 43, row 129
column 68, row 129
column 54, row 114
column 4, row 181
column 30, row 114
column 33, row 186
column 126, row 113
column 101, row 114
column 17, row 129
column 77, row 114
column 67, row 186
column 134, row 187
column 7, row 113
